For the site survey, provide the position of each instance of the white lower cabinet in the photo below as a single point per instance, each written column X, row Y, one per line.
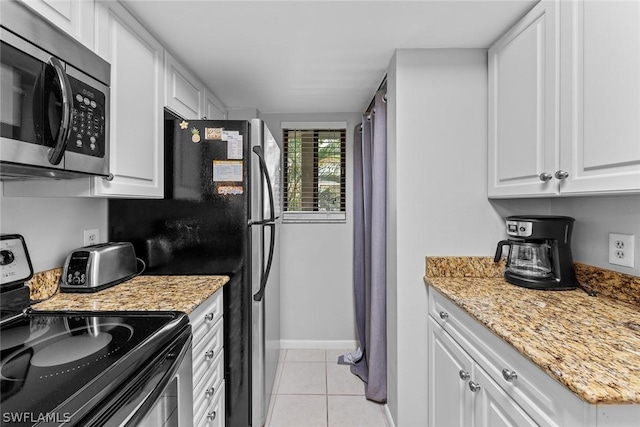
column 461, row 393
column 510, row 390
column 207, row 322
column 477, row 379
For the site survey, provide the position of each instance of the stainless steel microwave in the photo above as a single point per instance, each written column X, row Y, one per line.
column 54, row 101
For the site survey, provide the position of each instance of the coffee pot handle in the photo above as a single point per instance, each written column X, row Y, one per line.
column 501, row 244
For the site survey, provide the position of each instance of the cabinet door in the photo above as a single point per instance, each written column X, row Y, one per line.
column 136, row 113
column 523, row 92
column 601, row 96
column 75, row 17
column 213, row 109
column 184, row 94
column 450, row 400
column 494, row 408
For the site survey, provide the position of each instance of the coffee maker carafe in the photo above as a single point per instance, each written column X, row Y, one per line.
column 539, row 252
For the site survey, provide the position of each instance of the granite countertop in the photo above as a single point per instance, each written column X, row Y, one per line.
column 142, row 293
column 589, row 344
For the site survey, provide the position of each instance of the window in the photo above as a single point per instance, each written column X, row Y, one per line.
column 314, row 173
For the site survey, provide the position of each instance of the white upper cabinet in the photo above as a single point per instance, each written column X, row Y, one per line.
column 213, row 109
column 186, row 96
column 75, row 17
column 137, row 97
column 183, row 92
column 566, row 126
column 523, row 97
column 600, row 85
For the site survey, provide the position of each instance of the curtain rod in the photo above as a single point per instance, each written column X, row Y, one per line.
column 383, row 85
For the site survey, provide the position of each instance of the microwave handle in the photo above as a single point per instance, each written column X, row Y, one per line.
column 56, row 153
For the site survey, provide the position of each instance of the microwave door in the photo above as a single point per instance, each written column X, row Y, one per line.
column 22, row 115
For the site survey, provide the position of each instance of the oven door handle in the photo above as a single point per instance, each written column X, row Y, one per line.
column 152, row 398
column 57, row 152
column 129, row 406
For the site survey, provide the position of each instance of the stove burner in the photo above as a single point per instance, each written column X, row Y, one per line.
column 75, row 345
column 70, row 350
column 19, row 336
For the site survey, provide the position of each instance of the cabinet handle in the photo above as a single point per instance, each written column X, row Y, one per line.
column 509, row 375
column 209, row 354
column 464, row 375
column 562, row 174
column 209, row 392
column 208, row 317
column 544, row 176
column 444, row 315
column 474, row 386
column 211, row 416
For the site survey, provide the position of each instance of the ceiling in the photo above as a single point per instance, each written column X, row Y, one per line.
column 313, row 56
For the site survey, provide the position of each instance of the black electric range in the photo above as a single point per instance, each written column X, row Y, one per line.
column 77, row 368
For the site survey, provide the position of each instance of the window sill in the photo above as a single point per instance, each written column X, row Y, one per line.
column 314, row 217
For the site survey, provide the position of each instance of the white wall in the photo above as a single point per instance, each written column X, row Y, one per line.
column 52, row 227
column 437, row 199
column 317, row 308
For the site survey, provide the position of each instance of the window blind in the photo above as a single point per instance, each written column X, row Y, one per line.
column 315, row 170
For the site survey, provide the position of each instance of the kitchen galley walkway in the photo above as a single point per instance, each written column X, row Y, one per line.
column 312, row 390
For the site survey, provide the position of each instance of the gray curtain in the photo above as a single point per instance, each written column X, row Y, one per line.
column 369, row 252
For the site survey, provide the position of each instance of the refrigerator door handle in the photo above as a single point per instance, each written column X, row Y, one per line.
column 265, row 274
column 263, row 168
column 268, row 222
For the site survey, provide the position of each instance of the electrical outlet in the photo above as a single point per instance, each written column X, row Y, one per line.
column 90, row 237
column 622, row 249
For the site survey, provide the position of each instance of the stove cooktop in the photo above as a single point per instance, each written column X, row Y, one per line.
column 56, row 366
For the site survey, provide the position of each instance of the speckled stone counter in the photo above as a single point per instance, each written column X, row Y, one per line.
column 145, row 293
column 589, row 344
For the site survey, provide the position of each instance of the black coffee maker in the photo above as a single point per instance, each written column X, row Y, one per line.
column 539, row 252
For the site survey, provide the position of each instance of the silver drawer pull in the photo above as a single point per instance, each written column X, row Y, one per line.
column 474, row 386
column 464, row 375
column 208, row 317
column 544, row 177
column 210, row 392
column 209, row 354
column 509, row 375
column 444, row 315
column 211, row 416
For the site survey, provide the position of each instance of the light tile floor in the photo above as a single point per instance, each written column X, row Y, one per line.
column 312, row 390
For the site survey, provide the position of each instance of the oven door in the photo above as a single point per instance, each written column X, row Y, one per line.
column 159, row 395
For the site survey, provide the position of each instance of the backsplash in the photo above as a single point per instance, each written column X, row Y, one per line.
column 607, row 283
column 619, row 286
column 44, row 285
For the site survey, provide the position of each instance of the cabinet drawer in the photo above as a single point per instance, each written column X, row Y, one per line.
column 207, row 348
column 205, row 317
column 208, row 378
column 213, row 414
column 544, row 399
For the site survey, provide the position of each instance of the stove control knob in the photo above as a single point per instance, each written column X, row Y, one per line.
column 6, row 257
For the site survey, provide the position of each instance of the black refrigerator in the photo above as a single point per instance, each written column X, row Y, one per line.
column 220, row 215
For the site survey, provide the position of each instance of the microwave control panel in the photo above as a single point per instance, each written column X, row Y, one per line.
column 88, row 123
